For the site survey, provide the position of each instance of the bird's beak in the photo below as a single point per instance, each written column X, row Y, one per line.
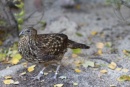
column 21, row 33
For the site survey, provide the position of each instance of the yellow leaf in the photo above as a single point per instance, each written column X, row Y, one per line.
column 78, row 63
column 78, row 6
column 8, row 77
column 112, row 65
column 94, row 33
column 124, row 78
column 58, row 85
column 9, row 81
column 125, row 70
column 23, row 73
column 75, row 84
column 74, row 55
column 31, row 68
column 99, row 52
column 118, row 69
column 103, row 71
column 100, row 45
column 16, row 58
column 124, row 51
column 77, row 70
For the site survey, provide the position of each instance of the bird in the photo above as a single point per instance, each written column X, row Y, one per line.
column 45, row 49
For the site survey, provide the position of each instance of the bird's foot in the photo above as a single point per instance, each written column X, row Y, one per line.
column 38, row 77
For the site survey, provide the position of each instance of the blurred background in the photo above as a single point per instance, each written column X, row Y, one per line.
column 104, row 25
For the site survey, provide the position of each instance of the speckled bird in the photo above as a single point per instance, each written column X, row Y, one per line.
column 45, row 49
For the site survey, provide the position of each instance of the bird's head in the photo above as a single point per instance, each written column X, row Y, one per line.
column 28, row 31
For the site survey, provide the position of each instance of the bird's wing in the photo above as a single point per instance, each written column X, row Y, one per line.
column 52, row 43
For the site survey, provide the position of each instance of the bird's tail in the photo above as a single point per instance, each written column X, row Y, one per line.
column 75, row 45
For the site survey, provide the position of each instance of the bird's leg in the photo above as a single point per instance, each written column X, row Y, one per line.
column 39, row 74
column 56, row 72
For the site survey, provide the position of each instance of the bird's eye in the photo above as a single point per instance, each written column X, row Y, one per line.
column 28, row 30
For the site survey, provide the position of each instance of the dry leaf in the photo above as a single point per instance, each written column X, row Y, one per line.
column 8, row 81
column 103, row 71
column 75, row 84
column 112, row 85
column 77, row 70
column 94, row 33
column 125, row 70
column 112, row 65
column 45, row 73
column 99, row 52
column 74, row 55
column 8, row 77
column 118, row 69
column 16, row 82
column 100, row 45
column 62, row 77
column 58, row 85
column 31, row 68
column 88, row 63
column 78, row 63
column 23, row 73
column 16, row 58
column 124, row 78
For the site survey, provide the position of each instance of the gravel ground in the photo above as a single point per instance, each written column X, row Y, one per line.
column 91, row 17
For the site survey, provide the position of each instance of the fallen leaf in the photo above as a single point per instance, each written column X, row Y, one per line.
column 45, row 73
column 112, row 65
column 88, row 63
column 108, row 44
column 118, row 69
column 16, row 58
column 16, row 82
column 124, row 78
column 79, row 34
column 62, row 77
column 125, row 70
column 23, row 73
column 103, row 71
column 31, row 68
column 2, row 56
column 100, row 45
column 8, row 77
column 78, row 63
column 76, row 51
column 8, row 81
column 74, row 55
column 77, row 70
column 112, row 85
column 99, row 52
column 94, row 33
column 58, row 85
column 75, row 84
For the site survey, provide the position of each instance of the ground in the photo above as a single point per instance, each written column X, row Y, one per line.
column 98, row 18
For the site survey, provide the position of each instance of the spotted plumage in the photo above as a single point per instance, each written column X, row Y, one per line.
column 45, row 48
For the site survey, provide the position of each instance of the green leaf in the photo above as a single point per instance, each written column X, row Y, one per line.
column 88, row 63
column 124, row 78
column 79, row 34
column 62, row 77
column 2, row 56
column 76, row 51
